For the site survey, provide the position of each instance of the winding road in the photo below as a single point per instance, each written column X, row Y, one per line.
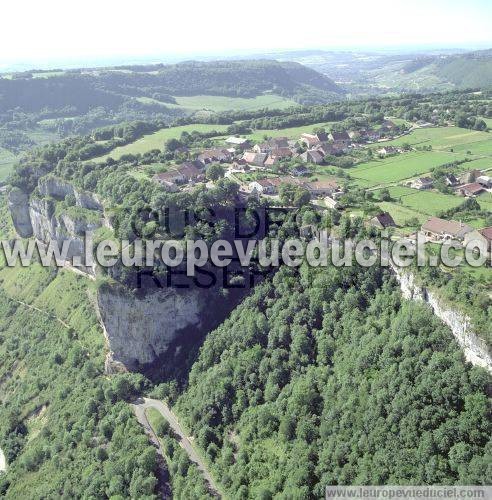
column 185, row 442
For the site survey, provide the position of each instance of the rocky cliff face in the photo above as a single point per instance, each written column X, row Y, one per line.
column 474, row 348
column 36, row 216
column 19, row 209
column 47, row 226
column 58, row 189
column 139, row 329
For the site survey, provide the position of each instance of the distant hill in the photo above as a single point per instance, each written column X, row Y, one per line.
column 365, row 72
column 248, row 78
column 466, row 70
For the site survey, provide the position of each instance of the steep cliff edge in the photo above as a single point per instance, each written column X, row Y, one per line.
column 475, row 349
column 138, row 329
column 46, row 216
column 18, row 203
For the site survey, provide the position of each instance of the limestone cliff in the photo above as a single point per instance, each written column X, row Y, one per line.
column 19, row 209
column 138, row 329
column 58, row 188
column 37, row 216
column 474, row 348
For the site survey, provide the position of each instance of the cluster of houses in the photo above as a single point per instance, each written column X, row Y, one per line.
column 442, row 230
column 470, row 184
column 194, row 170
column 316, row 189
column 244, row 157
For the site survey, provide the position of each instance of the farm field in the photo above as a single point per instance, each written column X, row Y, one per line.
column 291, row 132
column 157, row 140
column 402, row 214
column 430, row 203
column 442, row 138
column 401, row 167
column 222, row 103
column 217, row 104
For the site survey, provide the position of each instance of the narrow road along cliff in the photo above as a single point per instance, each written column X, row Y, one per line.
column 142, row 404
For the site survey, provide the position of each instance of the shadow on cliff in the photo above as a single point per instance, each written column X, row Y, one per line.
column 176, row 362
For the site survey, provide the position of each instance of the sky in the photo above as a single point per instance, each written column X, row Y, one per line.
column 36, row 31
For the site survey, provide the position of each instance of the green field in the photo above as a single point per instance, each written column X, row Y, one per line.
column 221, row 103
column 217, row 104
column 401, row 167
column 157, row 140
column 7, row 161
column 402, row 214
column 291, row 132
column 444, row 138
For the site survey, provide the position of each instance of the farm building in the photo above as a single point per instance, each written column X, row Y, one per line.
column 322, row 188
column 382, row 221
column 436, row 229
column 255, row 159
column 485, row 181
column 312, row 156
column 470, row 190
column 422, row 183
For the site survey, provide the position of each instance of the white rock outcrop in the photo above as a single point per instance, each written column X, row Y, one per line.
column 474, row 348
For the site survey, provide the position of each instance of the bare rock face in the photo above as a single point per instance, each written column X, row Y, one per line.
column 139, row 329
column 474, row 348
column 47, row 226
column 58, row 188
column 19, row 209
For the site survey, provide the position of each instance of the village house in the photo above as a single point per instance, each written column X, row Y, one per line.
column 340, row 137
column 254, row 159
column 322, row 188
column 422, row 183
column 312, row 156
column 471, row 190
column 331, row 203
column 327, row 148
column 436, row 229
column 300, row 170
column 190, row 172
column 482, row 237
column 485, row 181
column 263, row 186
column 382, row 221
column 311, row 140
column 211, row 155
column 451, row 180
column 272, row 144
column 169, row 180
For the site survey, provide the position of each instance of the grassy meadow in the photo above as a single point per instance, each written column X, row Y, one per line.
column 157, row 139
column 400, row 167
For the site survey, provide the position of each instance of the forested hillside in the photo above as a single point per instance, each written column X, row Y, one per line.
column 65, row 428
column 328, row 377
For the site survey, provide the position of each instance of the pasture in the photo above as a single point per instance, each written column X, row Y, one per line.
column 443, row 138
column 222, row 103
column 291, row 132
column 398, row 168
column 157, row 139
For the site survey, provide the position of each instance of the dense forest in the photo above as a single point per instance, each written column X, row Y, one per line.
column 328, row 377
column 67, row 430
